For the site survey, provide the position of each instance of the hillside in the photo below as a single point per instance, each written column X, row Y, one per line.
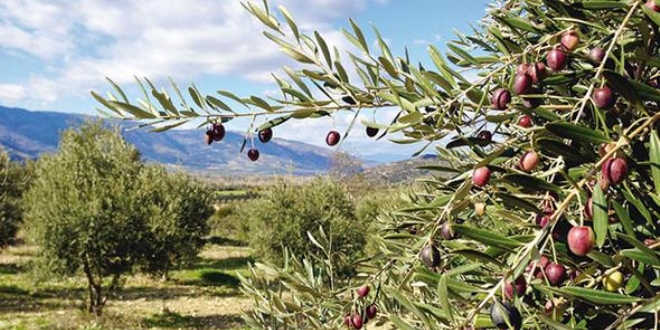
column 27, row 134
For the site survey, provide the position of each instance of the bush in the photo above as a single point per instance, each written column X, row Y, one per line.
column 231, row 220
column 287, row 212
column 94, row 207
column 178, row 208
column 14, row 179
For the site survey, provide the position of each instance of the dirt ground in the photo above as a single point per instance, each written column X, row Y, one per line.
column 204, row 296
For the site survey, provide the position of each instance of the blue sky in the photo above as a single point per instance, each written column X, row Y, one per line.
column 53, row 52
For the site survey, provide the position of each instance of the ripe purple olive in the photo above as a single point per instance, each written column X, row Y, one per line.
column 371, row 131
column 519, row 285
column 615, row 170
column 500, row 98
column 581, row 240
column 447, row 232
column 522, row 84
column 481, row 176
column 604, row 97
column 555, row 273
column 347, row 320
column 651, row 5
column 537, row 71
column 597, row 55
column 219, row 131
column 556, row 59
column 363, row 291
column 589, row 209
column 356, row 321
column 505, row 314
column 543, row 219
column 525, row 121
column 569, row 40
column 265, row 135
column 253, row 154
column 529, row 161
column 209, row 137
column 371, row 311
column 332, row 138
column 485, row 135
column 431, row 256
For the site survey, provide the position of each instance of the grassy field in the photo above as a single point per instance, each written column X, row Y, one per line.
column 204, row 296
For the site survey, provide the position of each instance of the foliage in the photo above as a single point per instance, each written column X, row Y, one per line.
column 82, row 208
column 178, row 208
column 576, row 130
column 285, row 213
column 14, row 180
column 231, row 220
column 95, row 207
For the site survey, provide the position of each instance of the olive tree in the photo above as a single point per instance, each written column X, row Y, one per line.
column 14, row 179
column 178, row 208
column 545, row 118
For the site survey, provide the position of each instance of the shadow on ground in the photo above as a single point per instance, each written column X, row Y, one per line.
column 222, row 241
column 175, row 320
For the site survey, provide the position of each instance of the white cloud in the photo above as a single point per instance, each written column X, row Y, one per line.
column 12, row 92
column 83, row 41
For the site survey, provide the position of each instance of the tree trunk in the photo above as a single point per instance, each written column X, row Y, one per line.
column 95, row 290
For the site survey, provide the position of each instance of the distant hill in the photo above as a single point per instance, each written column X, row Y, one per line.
column 27, row 134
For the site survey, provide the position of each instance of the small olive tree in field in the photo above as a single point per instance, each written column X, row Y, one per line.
column 178, row 208
column 82, row 208
column 285, row 213
column 14, row 179
column 545, row 212
column 95, row 207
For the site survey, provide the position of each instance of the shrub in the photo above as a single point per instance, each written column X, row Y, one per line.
column 14, row 179
column 178, row 208
column 285, row 213
column 94, row 207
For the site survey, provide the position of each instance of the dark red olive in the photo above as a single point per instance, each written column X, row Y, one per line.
column 500, row 98
column 485, row 135
column 525, row 121
column 209, row 137
column 372, row 131
column 356, row 321
column 520, row 285
column 581, row 240
column 556, row 59
column 522, row 84
column 555, row 273
column 651, row 5
column 363, row 291
column 219, row 131
column 597, row 55
column 265, row 135
column 615, row 170
column 604, row 97
column 371, row 311
column 569, row 40
column 332, row 138
column 481, row 176
column 253, row 154
column 447, row 232
column 431, row 256
column 589, row 209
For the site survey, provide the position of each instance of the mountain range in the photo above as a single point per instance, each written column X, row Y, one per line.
column 27, row 134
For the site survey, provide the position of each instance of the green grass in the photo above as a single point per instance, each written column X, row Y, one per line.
column 204, row 295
